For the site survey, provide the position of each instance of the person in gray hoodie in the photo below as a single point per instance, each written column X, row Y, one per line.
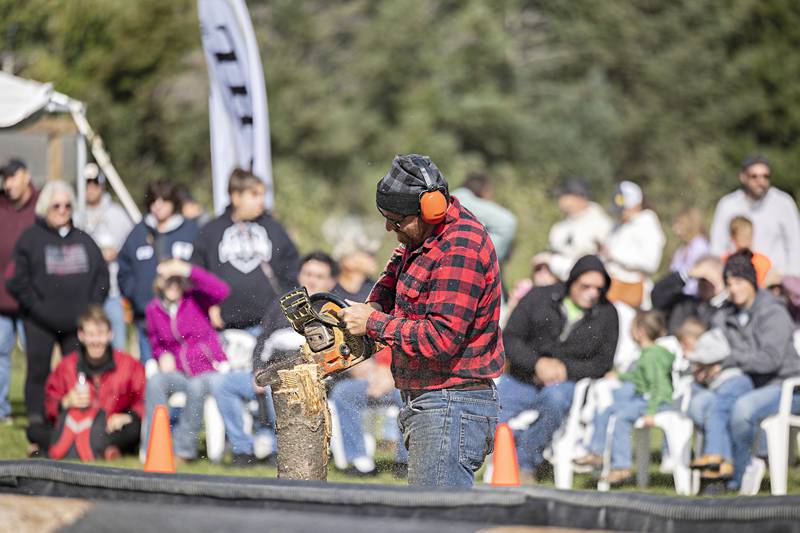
column 760, row 333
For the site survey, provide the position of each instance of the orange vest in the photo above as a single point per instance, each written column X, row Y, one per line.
column 761, row 263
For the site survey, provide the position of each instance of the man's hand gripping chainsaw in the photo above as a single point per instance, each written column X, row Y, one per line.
column 328, row 343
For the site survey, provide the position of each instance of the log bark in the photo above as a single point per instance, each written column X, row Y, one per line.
column 302, row 423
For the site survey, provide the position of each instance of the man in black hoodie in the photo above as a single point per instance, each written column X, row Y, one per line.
column 250, row 251
column 556, row 336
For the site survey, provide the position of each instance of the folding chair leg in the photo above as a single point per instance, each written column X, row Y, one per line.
column 679, row 439
column 642, row 437
column 562, row 471
column 603, row 484
column 777, row 431
column 215, row 430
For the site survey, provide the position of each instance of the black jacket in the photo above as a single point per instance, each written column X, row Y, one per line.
column 55, row 278
column 536, row 325
column 668, row 296
column 256, row 259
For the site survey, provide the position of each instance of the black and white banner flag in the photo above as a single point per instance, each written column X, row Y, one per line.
column 237, row 99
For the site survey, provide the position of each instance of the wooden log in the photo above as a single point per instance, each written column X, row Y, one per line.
column 302, row 423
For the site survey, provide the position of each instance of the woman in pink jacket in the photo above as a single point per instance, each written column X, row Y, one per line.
column 185, row 345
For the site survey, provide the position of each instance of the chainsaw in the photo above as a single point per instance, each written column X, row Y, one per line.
column 328, row 344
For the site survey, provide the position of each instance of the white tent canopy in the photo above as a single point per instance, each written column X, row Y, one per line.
column 21, row 98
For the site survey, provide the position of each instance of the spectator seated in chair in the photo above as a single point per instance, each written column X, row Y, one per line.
column 369, row 381
column 185, row 346
column 317, row 274
column 759, row 331
column 646, row 389
column 556, row 336
column 94, row 399
column 711, row 404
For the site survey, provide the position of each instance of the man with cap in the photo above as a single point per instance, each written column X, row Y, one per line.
column 437, row 306
column 776, row 222
column 633, row 250
column 17, row 211
column 585, row 225
column 109, row 225
column 556, row 336
column 760, row 333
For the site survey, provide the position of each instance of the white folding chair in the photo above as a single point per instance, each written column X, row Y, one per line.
column 567, row 438
column 779, row 429
column 238, row 346
column 675, row 425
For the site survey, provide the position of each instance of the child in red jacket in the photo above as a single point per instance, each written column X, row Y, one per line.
column 94, row 399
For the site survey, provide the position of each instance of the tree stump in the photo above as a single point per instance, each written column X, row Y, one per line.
column 302, row 423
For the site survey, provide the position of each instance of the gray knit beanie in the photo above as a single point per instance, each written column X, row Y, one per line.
column 399, row 190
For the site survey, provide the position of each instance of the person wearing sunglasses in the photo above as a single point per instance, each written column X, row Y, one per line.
column 556, row 336
column 773, row 212
column 57, row 271
column 437, row 307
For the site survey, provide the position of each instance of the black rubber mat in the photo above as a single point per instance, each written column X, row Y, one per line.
column 306, row 506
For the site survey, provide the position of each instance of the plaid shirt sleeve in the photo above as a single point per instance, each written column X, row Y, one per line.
column 384, row 290
column 456, row 283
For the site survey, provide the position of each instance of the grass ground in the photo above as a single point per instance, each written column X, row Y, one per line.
column 13, row 445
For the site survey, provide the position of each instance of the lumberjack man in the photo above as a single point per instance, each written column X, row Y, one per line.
column 436, row 306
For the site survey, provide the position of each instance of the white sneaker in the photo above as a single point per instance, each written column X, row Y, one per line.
column 753, row 476
column 263, row 446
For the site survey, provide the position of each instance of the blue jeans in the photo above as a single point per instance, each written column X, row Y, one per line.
column 231, row 391
column 448, row 434
column 551, row 402
column 711, row 410
column 145, row 351
column 748, row 412
column 116, row 314
column 628, row 407
column 9, row 328
column 187, row 431
column 350, row 398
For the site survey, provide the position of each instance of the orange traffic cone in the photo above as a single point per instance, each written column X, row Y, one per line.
column 159, row 449
column 505, row 469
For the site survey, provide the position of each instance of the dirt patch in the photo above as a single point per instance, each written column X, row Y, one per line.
column 25, row 514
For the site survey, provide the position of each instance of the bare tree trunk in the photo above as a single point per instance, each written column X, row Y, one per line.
column 302, row 423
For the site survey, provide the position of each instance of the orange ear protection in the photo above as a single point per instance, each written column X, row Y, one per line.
column 433, row 202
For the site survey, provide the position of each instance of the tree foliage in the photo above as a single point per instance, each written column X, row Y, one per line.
column 669, row 94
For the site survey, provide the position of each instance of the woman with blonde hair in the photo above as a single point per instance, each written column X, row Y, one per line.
column 689, row 228
column 57, row 272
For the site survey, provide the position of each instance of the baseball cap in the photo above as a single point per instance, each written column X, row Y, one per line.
column 573, row 186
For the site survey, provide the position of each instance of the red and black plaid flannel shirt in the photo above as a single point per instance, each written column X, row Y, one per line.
column 443, row 305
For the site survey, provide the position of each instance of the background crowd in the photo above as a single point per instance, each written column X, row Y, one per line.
column 596, row 305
